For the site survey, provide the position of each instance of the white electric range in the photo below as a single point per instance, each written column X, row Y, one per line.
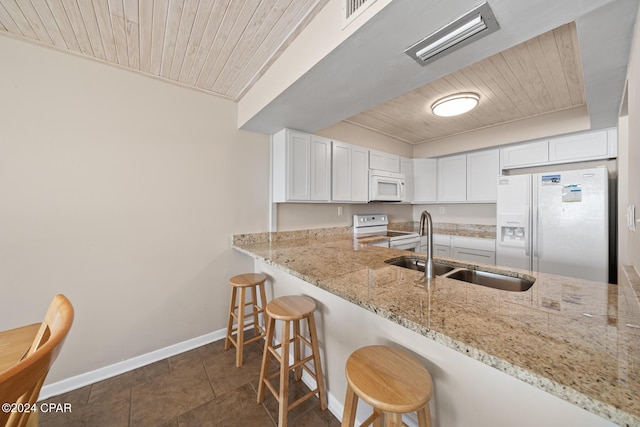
column 365, row 226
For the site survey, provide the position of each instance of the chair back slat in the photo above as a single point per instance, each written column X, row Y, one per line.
column 21, row 383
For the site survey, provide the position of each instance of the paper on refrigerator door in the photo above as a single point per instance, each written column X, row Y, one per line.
column 571, row 193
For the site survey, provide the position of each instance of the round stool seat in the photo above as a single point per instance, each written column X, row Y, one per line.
column 389, row 379
column 291, row 307
column 246, row 280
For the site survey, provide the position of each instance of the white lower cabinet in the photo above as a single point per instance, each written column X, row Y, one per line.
column 474, row 249
column 441, row 245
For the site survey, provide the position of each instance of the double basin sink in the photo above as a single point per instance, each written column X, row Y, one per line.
column 478, row 277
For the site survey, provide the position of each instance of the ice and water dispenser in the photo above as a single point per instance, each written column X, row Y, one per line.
column 512, row 230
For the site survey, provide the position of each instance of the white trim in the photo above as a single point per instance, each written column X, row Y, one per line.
column 100, row 374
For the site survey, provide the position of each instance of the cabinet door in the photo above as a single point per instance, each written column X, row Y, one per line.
column 341, row 172
column 407, row 170
column 483, row 168
column 320, row 168
column 359, row 174
column 384, row 161
column 474, row 255
column 442, row 251
column 452, row 178
column 528, row 154
column 592, row 145
column 298, row 166
column 424, row 180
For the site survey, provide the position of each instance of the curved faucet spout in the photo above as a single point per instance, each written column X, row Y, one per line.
column 429, row 268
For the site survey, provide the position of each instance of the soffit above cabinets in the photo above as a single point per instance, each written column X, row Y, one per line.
column 219, row 46
column 540, row 76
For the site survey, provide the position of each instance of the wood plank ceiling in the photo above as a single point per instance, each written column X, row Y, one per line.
column 219, row 46
column 540, row 76
column 224, row 47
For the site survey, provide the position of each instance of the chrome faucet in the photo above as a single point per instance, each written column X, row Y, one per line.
column 429, row 268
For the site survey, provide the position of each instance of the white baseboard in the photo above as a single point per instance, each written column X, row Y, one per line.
column 100, row 374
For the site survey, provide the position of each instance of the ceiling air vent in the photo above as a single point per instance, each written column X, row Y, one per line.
column 351, row 9
column 475, row 24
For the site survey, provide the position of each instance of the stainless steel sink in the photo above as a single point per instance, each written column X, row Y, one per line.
column 416, row 263
column 492, row 280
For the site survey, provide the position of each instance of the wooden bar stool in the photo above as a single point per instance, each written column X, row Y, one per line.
column 255, row 281
column 291, row 309
column 391, row 381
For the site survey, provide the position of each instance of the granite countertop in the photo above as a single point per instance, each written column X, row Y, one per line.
column 575, row 339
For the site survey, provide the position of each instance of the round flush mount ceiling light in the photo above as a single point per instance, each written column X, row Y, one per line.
column 456, row 104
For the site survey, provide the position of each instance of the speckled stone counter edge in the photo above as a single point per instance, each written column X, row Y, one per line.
column 579, row 399
column 468, row 230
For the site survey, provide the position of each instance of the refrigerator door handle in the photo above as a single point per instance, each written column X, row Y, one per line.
column 536, row 245
column 527, row 234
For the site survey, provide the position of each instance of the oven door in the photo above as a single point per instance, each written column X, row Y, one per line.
column 386, row 187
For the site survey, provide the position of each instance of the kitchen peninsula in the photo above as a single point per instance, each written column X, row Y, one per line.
column 497, row 358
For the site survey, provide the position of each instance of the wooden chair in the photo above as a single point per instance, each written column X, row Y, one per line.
column 391, row 381
column 21, row 382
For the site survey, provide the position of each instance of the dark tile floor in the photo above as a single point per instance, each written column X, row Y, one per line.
column 201, row 387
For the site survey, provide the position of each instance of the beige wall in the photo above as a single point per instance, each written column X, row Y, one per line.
column 352, row 134
column 567, row 121
column 121, row 192
column 631, row 253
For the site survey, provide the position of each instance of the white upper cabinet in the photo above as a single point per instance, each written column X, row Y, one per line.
column 424, row 180
column 350, row 173
column 483, row 168
column 301, row 167
column 587, row 146
column 452, row 178
column 320, row 168
column 528, row 154
column 384, row 161
column 406, row 168
column 359, row 174
column 595, row 145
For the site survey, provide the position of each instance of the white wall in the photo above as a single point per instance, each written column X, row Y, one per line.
column 121, row 192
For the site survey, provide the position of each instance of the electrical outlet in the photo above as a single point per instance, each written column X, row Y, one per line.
column 339, row 210
column 442, row 210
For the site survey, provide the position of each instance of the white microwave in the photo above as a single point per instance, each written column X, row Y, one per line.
column 386, row 186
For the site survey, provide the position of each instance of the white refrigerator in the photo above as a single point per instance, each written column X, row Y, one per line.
column 555, row 222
